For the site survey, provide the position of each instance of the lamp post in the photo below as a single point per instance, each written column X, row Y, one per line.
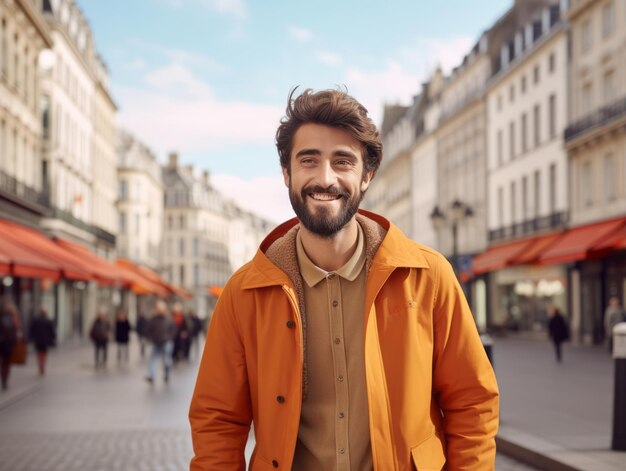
column 459, row 212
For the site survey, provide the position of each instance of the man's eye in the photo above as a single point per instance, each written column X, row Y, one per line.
column 343, row 163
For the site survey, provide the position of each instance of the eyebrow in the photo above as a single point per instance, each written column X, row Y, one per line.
column 339, row 153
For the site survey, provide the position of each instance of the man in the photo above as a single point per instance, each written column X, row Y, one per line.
column 161, row 331
column 43, row 335
column 99, row 334
column 348, row 345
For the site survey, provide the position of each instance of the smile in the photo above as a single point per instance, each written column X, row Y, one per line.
column 324, row 196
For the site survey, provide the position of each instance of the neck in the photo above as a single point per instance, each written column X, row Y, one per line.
column 331, row 253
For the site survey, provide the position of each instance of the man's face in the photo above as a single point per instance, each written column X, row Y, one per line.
column 326, row 182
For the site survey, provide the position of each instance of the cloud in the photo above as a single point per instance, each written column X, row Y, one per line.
column 176, row 109
column 265, row 196
column 428, row 52
column 301, row 34
column 235, row 8
column 329, row 58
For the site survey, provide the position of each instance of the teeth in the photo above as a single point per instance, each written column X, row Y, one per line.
column 323, row 196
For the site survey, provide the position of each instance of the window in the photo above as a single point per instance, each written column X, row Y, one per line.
column 181, row 221
column 586, row 188
column 610, row 178
column 499, row 103
column 500, row 207
column 500, row 148
column 196, row 247
column 609, row 88
column 137, row 224
column 123, row 189
column 608, row 19
column 512, row 93
column 586, row 36
column 170, row 222
column 524, row 133
column 513, row 203
column 523, row 84
column 181, row 247
column 553, row 188
column 524, row 198
column 537, row 179
column 512, row 140
column 182, row 275
column 552, row 115
column 586, row 104
column 196, row 274
column 537, row 118
column 551, row 63
column 536, row 75
column 168, row 247
column 122, row 221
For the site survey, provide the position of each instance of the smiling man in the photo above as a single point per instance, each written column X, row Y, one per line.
column 349, row 346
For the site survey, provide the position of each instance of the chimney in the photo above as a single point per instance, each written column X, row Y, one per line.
column 173, row 160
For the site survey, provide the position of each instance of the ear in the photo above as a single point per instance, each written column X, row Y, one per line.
column 367, row 178
column 286, row 176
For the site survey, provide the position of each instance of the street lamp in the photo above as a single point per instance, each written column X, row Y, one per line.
column 459, row 212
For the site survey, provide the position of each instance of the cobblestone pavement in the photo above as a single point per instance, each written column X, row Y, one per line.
column 78, row 419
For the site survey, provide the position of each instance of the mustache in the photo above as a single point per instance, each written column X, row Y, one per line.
column 332, row 190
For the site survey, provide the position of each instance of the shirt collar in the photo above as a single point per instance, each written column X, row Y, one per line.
column 312, row 274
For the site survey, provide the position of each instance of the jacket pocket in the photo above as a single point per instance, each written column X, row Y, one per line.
column 430, row 455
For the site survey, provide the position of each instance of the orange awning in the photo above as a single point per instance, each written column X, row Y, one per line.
column 142, row 284
column 576, row 243
column 498, row 256
column 156, row 278
column 38, row 243
column 216, row 290
column 23, row 262
column 535, row 249
column 103, row 271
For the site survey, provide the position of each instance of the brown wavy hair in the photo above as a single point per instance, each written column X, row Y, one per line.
column 331, row 108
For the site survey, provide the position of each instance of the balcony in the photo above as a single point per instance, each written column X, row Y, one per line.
column 68, row 217
column 554, row 221
column 23, row 195
column 605, row 116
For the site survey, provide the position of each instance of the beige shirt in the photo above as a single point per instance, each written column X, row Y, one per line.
column 334, row 423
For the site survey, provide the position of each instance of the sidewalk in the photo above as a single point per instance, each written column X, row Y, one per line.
column 556, row 416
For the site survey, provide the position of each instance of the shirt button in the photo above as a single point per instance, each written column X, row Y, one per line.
column 335, row 304
column 341, row 415
column 341, row 451
column 275, row 463
column 280, row 399
column 330, row 276
column 337, row 340
column 291, row 324
column 340, row 378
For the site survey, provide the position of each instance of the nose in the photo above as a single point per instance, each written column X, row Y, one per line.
column 326, row 175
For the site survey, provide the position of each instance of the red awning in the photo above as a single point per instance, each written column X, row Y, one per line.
column 576, row 243
column 615, row 242
column 5, row 265
column 535, row 249
column 38, row 243
column 103, row 271
column 23, row 262
column 498, row 256
column 142, row 284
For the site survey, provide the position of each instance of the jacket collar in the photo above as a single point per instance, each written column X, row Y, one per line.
column 395, row 251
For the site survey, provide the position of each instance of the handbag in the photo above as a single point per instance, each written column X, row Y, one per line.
column 18, row 355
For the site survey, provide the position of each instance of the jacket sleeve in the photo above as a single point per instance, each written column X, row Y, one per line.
column 220, row 411
column 464, row 381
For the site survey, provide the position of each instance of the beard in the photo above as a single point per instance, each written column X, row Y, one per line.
column 322, row 222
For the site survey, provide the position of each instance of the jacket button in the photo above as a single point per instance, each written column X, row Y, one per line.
column 291, row 324
column 275, row 463
column 280, row 399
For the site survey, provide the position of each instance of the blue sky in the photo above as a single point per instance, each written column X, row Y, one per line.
column 209, row 78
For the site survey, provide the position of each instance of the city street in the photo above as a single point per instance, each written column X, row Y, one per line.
column 77, row 419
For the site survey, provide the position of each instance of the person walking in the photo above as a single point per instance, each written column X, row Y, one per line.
column 558, row 330
column 99, row 333
column 10, row 332
column 196, row 329
column 182, row 338
column 142, row 332
column 43, row 335
column 122, row 336
column 347, row 345
column 161, row 331
column 613, row 315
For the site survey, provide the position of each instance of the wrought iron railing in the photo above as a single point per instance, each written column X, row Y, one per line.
column 21, row 192
column 553, row 221
column 597, row 119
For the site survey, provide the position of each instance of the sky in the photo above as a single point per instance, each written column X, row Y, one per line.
column 209, row 79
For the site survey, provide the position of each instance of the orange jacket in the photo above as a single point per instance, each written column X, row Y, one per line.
column 432, row 394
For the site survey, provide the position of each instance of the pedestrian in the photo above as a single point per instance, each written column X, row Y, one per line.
column 99, row 333
column 161, row 331
column 347, row 344
column 558, row 330
column 182, row 338
column 195, row 330
column 43, row 335
column 613, row 315
column 122, row 336
column 10, row 332
column 142, row 331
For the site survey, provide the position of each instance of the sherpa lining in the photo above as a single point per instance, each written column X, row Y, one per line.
column 282, row 253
